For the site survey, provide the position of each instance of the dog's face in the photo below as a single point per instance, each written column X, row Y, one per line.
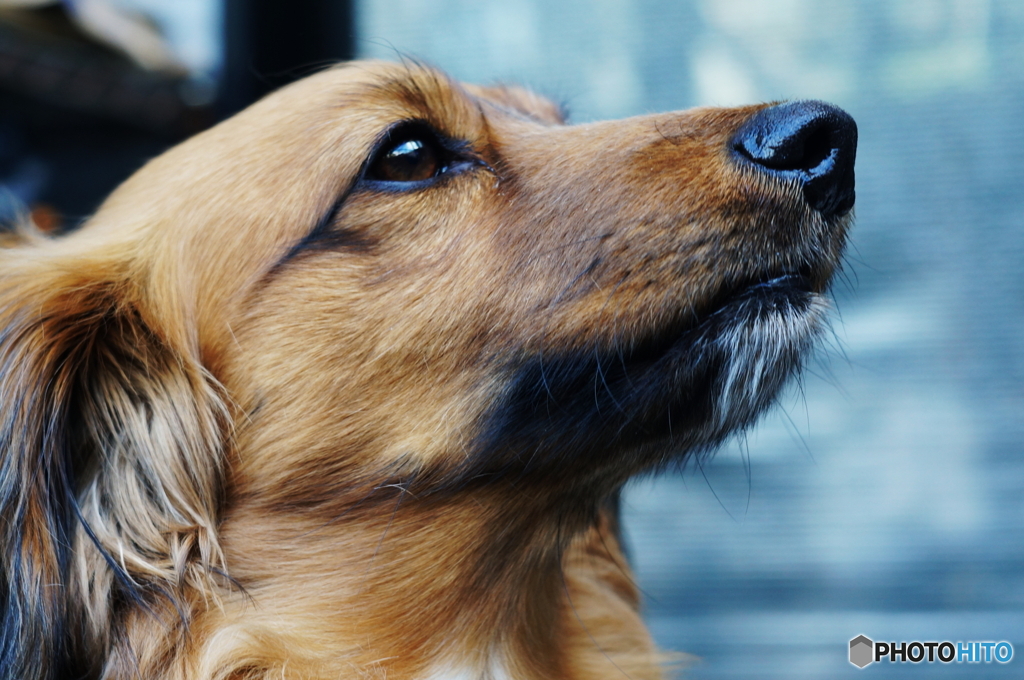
column 463, row 286
column 388, row 277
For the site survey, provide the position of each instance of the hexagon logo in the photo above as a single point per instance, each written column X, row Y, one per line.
column 862, row 651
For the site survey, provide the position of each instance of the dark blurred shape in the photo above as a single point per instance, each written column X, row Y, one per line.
column 78, row 117
column 46, row 59
column 270, row 43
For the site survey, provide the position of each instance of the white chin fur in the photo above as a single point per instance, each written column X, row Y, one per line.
column 761, row 353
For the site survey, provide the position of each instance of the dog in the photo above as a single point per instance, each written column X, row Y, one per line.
column 347, row 385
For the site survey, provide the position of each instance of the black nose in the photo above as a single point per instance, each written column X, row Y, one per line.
column 811, row 141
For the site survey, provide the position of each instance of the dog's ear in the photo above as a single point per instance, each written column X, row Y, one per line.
column 110, row 453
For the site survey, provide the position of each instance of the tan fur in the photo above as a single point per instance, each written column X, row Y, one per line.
column 267, row 445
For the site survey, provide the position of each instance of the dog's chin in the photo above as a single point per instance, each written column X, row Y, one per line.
column 753, row 343
column 682, row 389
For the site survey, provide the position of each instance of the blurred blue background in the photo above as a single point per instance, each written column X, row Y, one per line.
column 885, row 495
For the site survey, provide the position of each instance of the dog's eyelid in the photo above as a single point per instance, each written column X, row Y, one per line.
column 412, row 128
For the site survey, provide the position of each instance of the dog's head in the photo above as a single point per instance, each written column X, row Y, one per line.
column 378, row 276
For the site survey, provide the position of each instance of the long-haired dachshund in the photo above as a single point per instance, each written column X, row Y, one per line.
column 344, row 386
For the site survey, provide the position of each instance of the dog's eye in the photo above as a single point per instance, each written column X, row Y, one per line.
column 412, row 157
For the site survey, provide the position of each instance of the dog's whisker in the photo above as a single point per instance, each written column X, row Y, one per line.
column 565, row 246
column 384, row 534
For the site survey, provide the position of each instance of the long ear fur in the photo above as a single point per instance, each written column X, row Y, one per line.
column 110, row 458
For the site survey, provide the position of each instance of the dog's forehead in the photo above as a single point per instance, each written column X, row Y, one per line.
column 520, row 101
column 379, row 94
column 306, row 141
column 417, row 90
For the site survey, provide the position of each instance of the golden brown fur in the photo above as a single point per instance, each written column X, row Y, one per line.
column 259, row 417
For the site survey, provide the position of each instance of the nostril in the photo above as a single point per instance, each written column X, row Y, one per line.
column 800, row 149
column 817, row 147
column 810, row 141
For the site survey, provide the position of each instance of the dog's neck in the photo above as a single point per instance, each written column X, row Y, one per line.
column 469, row 584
